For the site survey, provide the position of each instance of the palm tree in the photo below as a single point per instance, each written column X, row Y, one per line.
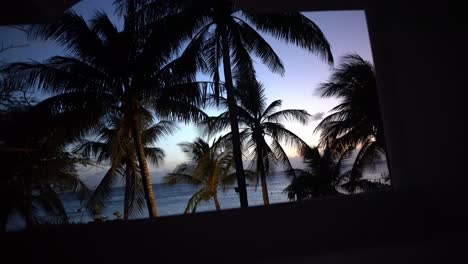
column 210, row 167
column 225, row 34
column 108, row 71
column 115, row 145
column 35, row 167
column 321, row 175
column 355, row 122
column 261, row 130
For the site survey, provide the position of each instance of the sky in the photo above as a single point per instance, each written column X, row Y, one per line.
column 297, row 88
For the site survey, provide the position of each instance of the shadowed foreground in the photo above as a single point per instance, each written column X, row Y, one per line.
column 382, row 227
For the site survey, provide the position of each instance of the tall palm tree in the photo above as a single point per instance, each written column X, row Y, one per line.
column 210, row 167
column 355, row 123
column 226, row 35
column 261, row 130
column 320, row 177
column 130, row 71
column 115, row 145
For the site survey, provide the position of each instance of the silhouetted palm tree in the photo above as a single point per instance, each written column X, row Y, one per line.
column 261, row 130
column 131, row 71
column 35, row 168
column 210, row 167
column 115, row 145
column 226, row 35
column 320, row 177
column 355, row 122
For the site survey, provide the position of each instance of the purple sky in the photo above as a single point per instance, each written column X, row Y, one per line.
column 345, row 30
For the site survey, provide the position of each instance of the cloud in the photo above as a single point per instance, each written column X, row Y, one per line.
column 317, row 116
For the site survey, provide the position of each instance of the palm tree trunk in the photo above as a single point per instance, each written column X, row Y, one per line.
column 215, row 198
column 126, row 197
column 148, row 188
column 266, row 199
column 232, row 106
column 261, row 169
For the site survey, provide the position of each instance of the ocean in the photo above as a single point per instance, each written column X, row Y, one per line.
column 172, row 200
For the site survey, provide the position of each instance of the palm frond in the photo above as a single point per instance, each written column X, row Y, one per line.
column 300, row 116
column 94, row 148
column 242, row 63
column 251, row 96
column 182, row 175
column 71, row 31
column 48, row 200
column 181, row 102
column 281, row 134
column 213, row 56
column 213, row 125
column 281, row 156
column 155, row 155
column 103, row 27
column 271, row 108
column 58, row 74
column 61, row 123
column 351, row 72
column 294, row 28
column 257, row 45
column 158, row 131
column 194, row 201
column 134, row 187
column 357, row 169
column 197, row 149
column 103, row 191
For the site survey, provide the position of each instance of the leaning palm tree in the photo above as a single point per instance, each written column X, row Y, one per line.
column 130, row 71
column 225, row 34
column 209, row 167
column 261, row 130
column 320, row 177
column 114, row 144
column 355, row 123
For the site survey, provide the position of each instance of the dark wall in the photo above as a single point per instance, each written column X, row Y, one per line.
column 420, row 57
